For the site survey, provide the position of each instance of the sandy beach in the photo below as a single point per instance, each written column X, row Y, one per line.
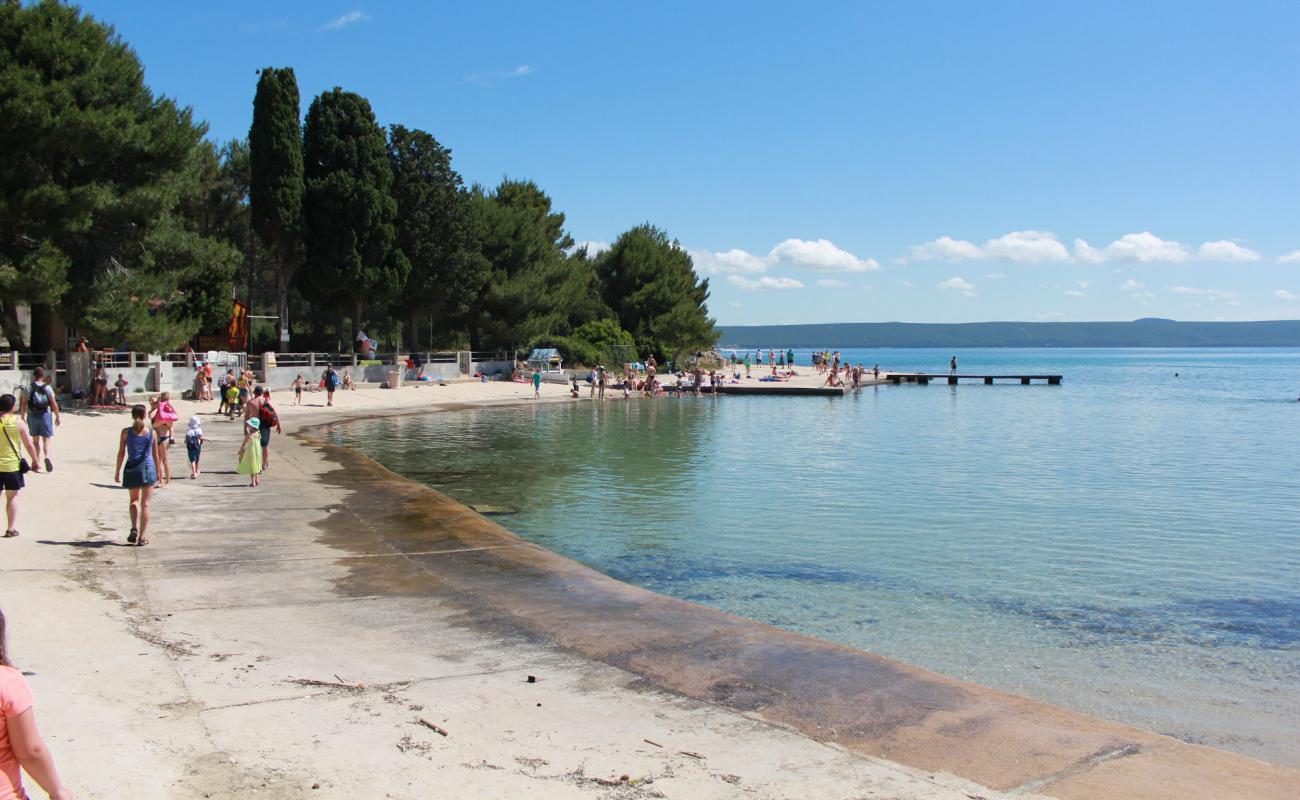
column 331, row 634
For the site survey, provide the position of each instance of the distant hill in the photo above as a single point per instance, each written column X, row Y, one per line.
column 1149, row 332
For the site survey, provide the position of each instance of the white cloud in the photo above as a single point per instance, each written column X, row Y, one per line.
column 1087, row 253
column 958, row 284
column 1075, row 293
column 1024, row 247
column 1213, row 295
column 593, row 248
column 996, row 276
column 906, row 284
column 350, row 18
column 1049, row 316
column 947, row 249
column 1283, row 294
column 1145, row 247
column 494, row 78
column 1027, row 247
column 1130, row 285
column 1083, row 284
column 831, row 282
column 820, row 255
column 764, row 282
column 1226, row 251
column 727, row 261
column 1292, row 257
column 1036, row 247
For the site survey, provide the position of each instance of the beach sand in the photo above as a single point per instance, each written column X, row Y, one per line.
column 278, row 642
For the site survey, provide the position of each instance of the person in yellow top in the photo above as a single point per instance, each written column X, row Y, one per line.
column 232, row 400
column 14, row 432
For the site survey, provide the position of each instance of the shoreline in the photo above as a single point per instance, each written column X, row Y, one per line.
column 390, row 541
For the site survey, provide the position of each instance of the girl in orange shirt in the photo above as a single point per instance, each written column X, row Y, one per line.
column 21, row 745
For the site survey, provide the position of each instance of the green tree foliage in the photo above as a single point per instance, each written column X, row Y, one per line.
column 348, row 209
column 276, row 177
column 589, row 344
column 95, row 169
column 651, row 285
column 533, row 287
column 437, row 230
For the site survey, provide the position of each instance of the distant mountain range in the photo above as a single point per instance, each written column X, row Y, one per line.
column 1148, row 332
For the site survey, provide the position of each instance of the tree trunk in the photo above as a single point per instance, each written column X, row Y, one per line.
column 13, row 330
column 415, row 331
column 281, row 308
column 356, row 320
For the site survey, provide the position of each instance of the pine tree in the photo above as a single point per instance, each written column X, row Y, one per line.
column 96, row 169
column 437, row 231
column 651, row 284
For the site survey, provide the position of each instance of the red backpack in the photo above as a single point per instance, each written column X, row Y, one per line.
column 268, row 416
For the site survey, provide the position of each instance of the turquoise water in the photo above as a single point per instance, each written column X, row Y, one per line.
column 1125, row 544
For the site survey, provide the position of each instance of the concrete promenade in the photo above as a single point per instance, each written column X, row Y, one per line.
column 306, row 638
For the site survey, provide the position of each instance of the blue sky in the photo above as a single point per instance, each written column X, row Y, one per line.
column 919, row 161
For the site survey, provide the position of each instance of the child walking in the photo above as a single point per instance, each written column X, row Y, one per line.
column 232, row 400
column 194, row 441
column 250, row 452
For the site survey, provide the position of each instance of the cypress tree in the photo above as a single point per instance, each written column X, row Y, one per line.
column 276, row 182
column 348, row 208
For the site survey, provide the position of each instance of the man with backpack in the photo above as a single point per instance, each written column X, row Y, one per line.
column 222, row 384
column 269, row 419
column 331, row 380
column 41, row 409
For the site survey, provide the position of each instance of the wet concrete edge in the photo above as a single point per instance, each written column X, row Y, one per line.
column 876, row 706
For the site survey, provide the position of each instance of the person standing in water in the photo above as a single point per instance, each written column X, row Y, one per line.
column 41, row 408
column 952, row 366
column 14, row 431
column 537, row 383
column 138, row 445
column 21, row 745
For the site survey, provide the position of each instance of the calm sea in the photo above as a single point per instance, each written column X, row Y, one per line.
column 1126, row 544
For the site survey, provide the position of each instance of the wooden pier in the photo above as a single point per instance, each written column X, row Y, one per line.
column 924, row 378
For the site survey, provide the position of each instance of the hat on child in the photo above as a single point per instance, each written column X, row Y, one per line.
column 254, row 423
column 196, row 424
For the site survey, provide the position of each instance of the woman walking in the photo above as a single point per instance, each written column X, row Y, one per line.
column 12, row 465
column 21, row 745
column 139, row 447
column 164, row 418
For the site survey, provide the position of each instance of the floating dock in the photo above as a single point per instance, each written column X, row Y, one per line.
column 924, row 378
